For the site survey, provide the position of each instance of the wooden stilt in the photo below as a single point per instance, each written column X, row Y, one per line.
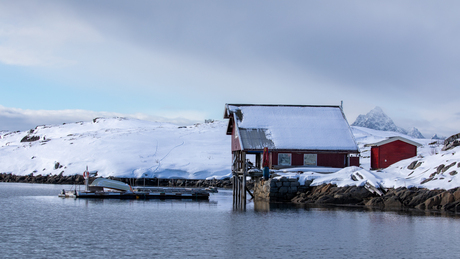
column 240, row 173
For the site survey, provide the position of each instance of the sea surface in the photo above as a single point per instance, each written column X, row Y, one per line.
column 35, row 223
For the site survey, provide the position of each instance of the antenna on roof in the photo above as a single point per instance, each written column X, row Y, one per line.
column 341, row 105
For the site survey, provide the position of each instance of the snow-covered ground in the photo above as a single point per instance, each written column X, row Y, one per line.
column 134, row 148
column 120, row 147
column 397, row 175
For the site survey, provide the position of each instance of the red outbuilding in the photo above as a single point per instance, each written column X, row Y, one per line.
column 392, row 150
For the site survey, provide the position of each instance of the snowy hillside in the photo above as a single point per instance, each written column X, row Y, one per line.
column 134, row 148
column 119, row 147
column 432, row 168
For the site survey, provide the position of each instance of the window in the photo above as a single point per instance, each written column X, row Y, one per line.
column 309, row 159
column 284, row 159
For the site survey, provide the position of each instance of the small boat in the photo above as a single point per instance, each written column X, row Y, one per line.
column 112, row 189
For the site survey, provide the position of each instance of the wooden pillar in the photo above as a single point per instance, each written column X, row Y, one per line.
column 258, row 160
column 239, row 171
column 243, row 182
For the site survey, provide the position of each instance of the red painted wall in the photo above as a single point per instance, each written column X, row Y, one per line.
column 322, row 159
column 235, row 141
column 354, row 161
column 375, row 157
column 390, row 153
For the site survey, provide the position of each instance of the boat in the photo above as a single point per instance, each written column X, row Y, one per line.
column 104, row 188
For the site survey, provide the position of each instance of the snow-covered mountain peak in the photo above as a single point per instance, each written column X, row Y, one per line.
column 378, row 120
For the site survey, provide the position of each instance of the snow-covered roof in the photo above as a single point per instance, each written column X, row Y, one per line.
column 291, row 127
column 391, row 139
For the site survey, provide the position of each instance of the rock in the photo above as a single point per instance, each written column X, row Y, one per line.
column 326, row 199
column 433, row 202
column 30, row 138
column 412, row 165
column 393, row 203
column 426, row 180
column 283, row 189
column 376, row 202
column 446, row 197
column 325, row 188
column 439, row 169
column 421, row 197
column 447, row 167
column 452, row 207
column 359, row 193
column 420, row 206
column 457, row 194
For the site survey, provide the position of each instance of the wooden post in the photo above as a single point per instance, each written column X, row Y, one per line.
column 239, row 171
column 258, row 161
column 243, row 185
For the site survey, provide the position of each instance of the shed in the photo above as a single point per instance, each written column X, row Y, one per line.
column 296, row 135
column 392, row 150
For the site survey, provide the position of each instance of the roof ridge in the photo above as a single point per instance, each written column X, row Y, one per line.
column 281, row 105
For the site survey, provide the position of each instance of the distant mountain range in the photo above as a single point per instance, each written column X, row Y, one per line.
column 378, row 120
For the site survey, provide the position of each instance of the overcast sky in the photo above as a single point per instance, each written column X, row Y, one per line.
column 66, row 61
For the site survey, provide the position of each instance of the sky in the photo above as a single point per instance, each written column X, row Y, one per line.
column 182, row 61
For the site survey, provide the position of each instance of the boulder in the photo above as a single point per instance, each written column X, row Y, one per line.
column 446, row 197
column 326, row 199
column 433, row 202
column 393, row 202
column 452, row 207
column 457, row 194
column 412, row 165
column 376, row 202
column 447, row 167
column 421, row 197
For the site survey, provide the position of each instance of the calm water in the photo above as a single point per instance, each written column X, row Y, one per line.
column 35, row 223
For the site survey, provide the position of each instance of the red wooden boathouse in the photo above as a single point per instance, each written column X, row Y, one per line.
column 296, row 135
column 392, row 150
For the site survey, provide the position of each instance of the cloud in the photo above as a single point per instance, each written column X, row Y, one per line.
column 38, row 38
column 148, row 55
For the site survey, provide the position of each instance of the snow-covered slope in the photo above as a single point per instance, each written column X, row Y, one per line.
column 432, row 168
column 119, row 147
column 134, row 148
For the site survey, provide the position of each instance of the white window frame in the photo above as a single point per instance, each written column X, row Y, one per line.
column 310, row 157
column 280, row 160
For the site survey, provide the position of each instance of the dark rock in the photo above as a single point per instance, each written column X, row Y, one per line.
column 439, row 169
column 326, row 199
column 393, row 202
column 452, row 207
column 446, row 198
column 447, row 167
column 433, row 202
column 412, row 165
column 376, row 202
column 30, row 138
column 420, row 197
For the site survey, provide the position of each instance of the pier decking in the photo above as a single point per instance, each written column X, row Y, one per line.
column 104, row 188
column 142, row 193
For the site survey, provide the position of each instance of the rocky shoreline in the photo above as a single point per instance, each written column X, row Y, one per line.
column 326, row 194
column 393, row 199
column 78, row 179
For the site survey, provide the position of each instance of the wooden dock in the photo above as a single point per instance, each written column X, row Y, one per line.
column 103, row 188
column 142, row 193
